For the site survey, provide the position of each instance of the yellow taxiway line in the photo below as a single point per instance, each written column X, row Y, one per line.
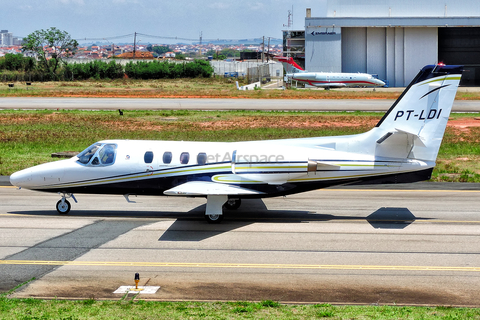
column 237, row 265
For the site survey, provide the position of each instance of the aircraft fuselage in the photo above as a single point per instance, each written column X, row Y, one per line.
column 336, row 80
column 269, row 168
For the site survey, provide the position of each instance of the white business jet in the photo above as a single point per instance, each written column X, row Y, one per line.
column 402, row 147
column 327, row 80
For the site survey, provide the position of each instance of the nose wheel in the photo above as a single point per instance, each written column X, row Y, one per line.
column 63, row 205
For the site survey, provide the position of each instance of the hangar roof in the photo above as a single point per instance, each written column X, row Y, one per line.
column 393, row 22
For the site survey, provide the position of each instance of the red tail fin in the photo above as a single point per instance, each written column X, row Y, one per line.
column 289, row 64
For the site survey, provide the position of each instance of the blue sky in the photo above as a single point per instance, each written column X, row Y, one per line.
column 227, row 19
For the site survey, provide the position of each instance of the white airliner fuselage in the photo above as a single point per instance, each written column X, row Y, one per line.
column 336, row 80
column 328, row 79
column 402, row 148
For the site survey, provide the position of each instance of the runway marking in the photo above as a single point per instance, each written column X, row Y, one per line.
column 237, row 265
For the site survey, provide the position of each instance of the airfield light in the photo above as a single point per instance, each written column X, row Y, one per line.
column 137, row 279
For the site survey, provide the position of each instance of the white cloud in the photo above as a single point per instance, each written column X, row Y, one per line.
column 77, row 2
column 126, row 1
column 219, row 5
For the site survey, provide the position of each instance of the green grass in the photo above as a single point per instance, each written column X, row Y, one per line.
column 140, row 309
column 28, row 138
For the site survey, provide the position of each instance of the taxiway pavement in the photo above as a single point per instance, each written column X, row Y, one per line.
column 403, row 246
column 379, row 105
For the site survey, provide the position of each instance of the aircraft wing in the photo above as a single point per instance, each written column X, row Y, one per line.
column 205, row 188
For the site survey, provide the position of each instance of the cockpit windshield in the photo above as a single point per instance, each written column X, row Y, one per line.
column 87, row 154
column 102, row 154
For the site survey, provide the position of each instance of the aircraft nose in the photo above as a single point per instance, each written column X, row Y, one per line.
column 380, row 83
column 21, row 178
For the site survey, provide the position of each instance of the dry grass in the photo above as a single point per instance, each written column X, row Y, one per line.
column 180, row 88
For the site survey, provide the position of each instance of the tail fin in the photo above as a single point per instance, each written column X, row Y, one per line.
column 290, row 65
column 416, row 122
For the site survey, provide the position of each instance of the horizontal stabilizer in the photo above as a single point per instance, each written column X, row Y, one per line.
column 417, row 139
column 205, row 188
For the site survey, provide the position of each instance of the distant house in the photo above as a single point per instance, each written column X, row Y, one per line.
column 138, row 55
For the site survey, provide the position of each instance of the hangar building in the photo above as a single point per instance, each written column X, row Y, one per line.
column 393, row 39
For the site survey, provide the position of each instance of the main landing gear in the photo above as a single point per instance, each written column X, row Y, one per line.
column 215, row 205
column 63, row 205
column 233, row 204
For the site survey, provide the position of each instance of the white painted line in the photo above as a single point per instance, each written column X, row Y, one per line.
column 141, row 289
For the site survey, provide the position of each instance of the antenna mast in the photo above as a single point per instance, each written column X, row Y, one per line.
column 289, row 25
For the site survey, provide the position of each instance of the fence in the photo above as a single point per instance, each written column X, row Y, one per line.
column 241, row 68
column 232, row 68
column 260, row 73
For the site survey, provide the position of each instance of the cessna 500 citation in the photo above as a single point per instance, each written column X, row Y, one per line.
column 402, row 147
column 328, row 80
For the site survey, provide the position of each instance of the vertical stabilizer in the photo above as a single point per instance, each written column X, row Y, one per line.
column 290, row 65
column 421, row 113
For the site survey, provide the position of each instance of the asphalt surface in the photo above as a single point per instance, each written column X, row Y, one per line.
column 214, row 104
column 411, row 244
column 5, row 181
column 367, row 246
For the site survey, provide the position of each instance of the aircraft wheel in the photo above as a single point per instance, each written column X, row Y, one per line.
column 233, row 204
column 214, row 218
column 63, row 207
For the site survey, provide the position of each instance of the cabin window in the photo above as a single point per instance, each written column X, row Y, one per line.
column 107, row 154
column 202, row 158
column 95, row 161
column 167, row 157
column 184, row 157
column 148, row 157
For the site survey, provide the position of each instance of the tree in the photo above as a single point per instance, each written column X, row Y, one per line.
column 17, row 62
column 218, row 56
column 51, row 43
column 230, row 52
column 180, row 56
column 158, row 49
column 210, row 52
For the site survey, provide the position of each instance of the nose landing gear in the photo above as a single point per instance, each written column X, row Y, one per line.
column 63, row 205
